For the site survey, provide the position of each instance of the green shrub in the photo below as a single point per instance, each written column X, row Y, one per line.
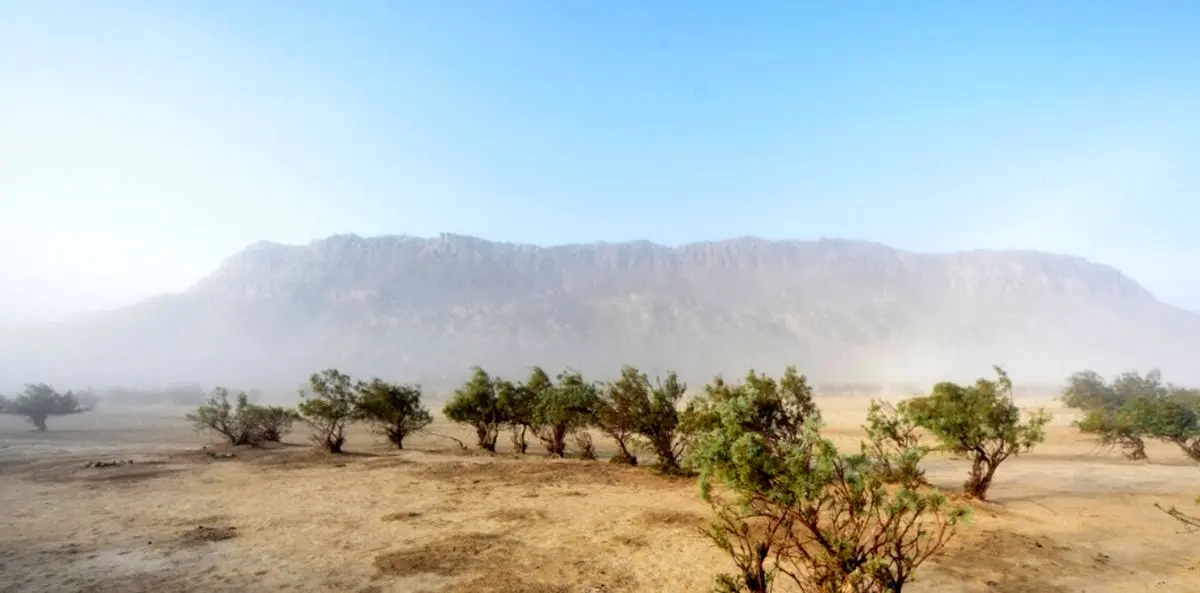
column 394, row 409
column 980, row 422
column 39, row 402
column 331, row 406
column 477, row 404
column 789, row 505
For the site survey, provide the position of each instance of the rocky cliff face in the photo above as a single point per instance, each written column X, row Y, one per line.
column 427, row 309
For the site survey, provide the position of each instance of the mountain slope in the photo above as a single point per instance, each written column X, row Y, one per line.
column 426, row 309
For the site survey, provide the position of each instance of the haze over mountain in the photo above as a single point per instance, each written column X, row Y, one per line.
column 426, row 309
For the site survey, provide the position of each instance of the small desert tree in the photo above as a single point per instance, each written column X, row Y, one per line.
column 39, row 402
column 979, row 421
column 270, row 423
column 1174, row 418
column 661, row 424
column 1106, row 416
column 789, row 504
column 394, row 408
column 477, row 404
column 618, row 408
column 225, row 418
column 331, row 406
column 516, row 404
column 784, row 406
column 894, row 445
column 561, row 410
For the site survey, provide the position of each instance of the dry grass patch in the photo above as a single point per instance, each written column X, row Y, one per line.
column 400, row 516
column 671, row 518
column 446, row 557
column 517, row 515
column 204, row 535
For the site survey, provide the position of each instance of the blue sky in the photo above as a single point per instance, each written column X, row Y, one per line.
column 142, row 143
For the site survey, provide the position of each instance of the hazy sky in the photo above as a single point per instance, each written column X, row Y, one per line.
column 142, row 143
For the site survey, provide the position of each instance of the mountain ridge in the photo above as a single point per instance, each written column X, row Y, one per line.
column 428, row 308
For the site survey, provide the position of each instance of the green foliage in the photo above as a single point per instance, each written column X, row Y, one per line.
column 782, row 408
column 1134, row 408
column 561, row 410
column 39, row 402
column 1103, row 405
column 394, row 408
column 979, row 421
column 331, row 406
column 660, row 423
column 894, row 445
column 1114, row 428
column 242, row 423
column 516, row 403
column 477, row 404
column 217, row 414
column 618, row 411
column 1173, row 418
column 795, row 507
column 270, row 423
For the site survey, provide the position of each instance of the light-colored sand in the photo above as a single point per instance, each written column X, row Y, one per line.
column 430, row 519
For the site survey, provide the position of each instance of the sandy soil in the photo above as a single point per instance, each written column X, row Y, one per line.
column 1063, row 519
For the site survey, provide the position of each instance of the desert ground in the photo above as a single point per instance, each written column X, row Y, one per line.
column 1065, row 518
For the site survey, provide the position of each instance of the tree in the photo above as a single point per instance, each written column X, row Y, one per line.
column 217, row 414
column 331, row 406
column 617, row 411
column 794, row 507
column 39, row 402
column 477, row 405
column 270, row 423
column 394, row 408
column 516, row 403
column 561, row 410
column 1103, row 406
column 1173, row 418
column 243, row 423
column 894, row 445
column 661, row 425
column 980, row 421
column 782, row 407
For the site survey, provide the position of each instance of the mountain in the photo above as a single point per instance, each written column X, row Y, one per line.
column 426, row 309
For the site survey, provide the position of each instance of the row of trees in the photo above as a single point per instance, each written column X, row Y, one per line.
column 332, row 402
column 1133, row 408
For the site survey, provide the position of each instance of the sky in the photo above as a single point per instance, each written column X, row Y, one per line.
column 142, row 143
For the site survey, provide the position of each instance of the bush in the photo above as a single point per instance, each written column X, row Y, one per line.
column 394, row 408
column 332, row 405
column 270, row 423
column 662, row 426
column 1104, row 403
column 618, row 410
column 978, row 421
column 894, row 445
column 477, row 405
column 561, row 410
column 1173, row 418
column 243, row 423
column 796, row 507
column 39, row 402
column 217, row 414
column 516, row 404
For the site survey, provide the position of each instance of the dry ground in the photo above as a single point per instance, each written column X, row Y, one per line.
column 428, row 519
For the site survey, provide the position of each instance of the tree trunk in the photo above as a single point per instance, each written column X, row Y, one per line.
column 1135, row 449
column 980, row 480
column 334, row 444
column 39, row 422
